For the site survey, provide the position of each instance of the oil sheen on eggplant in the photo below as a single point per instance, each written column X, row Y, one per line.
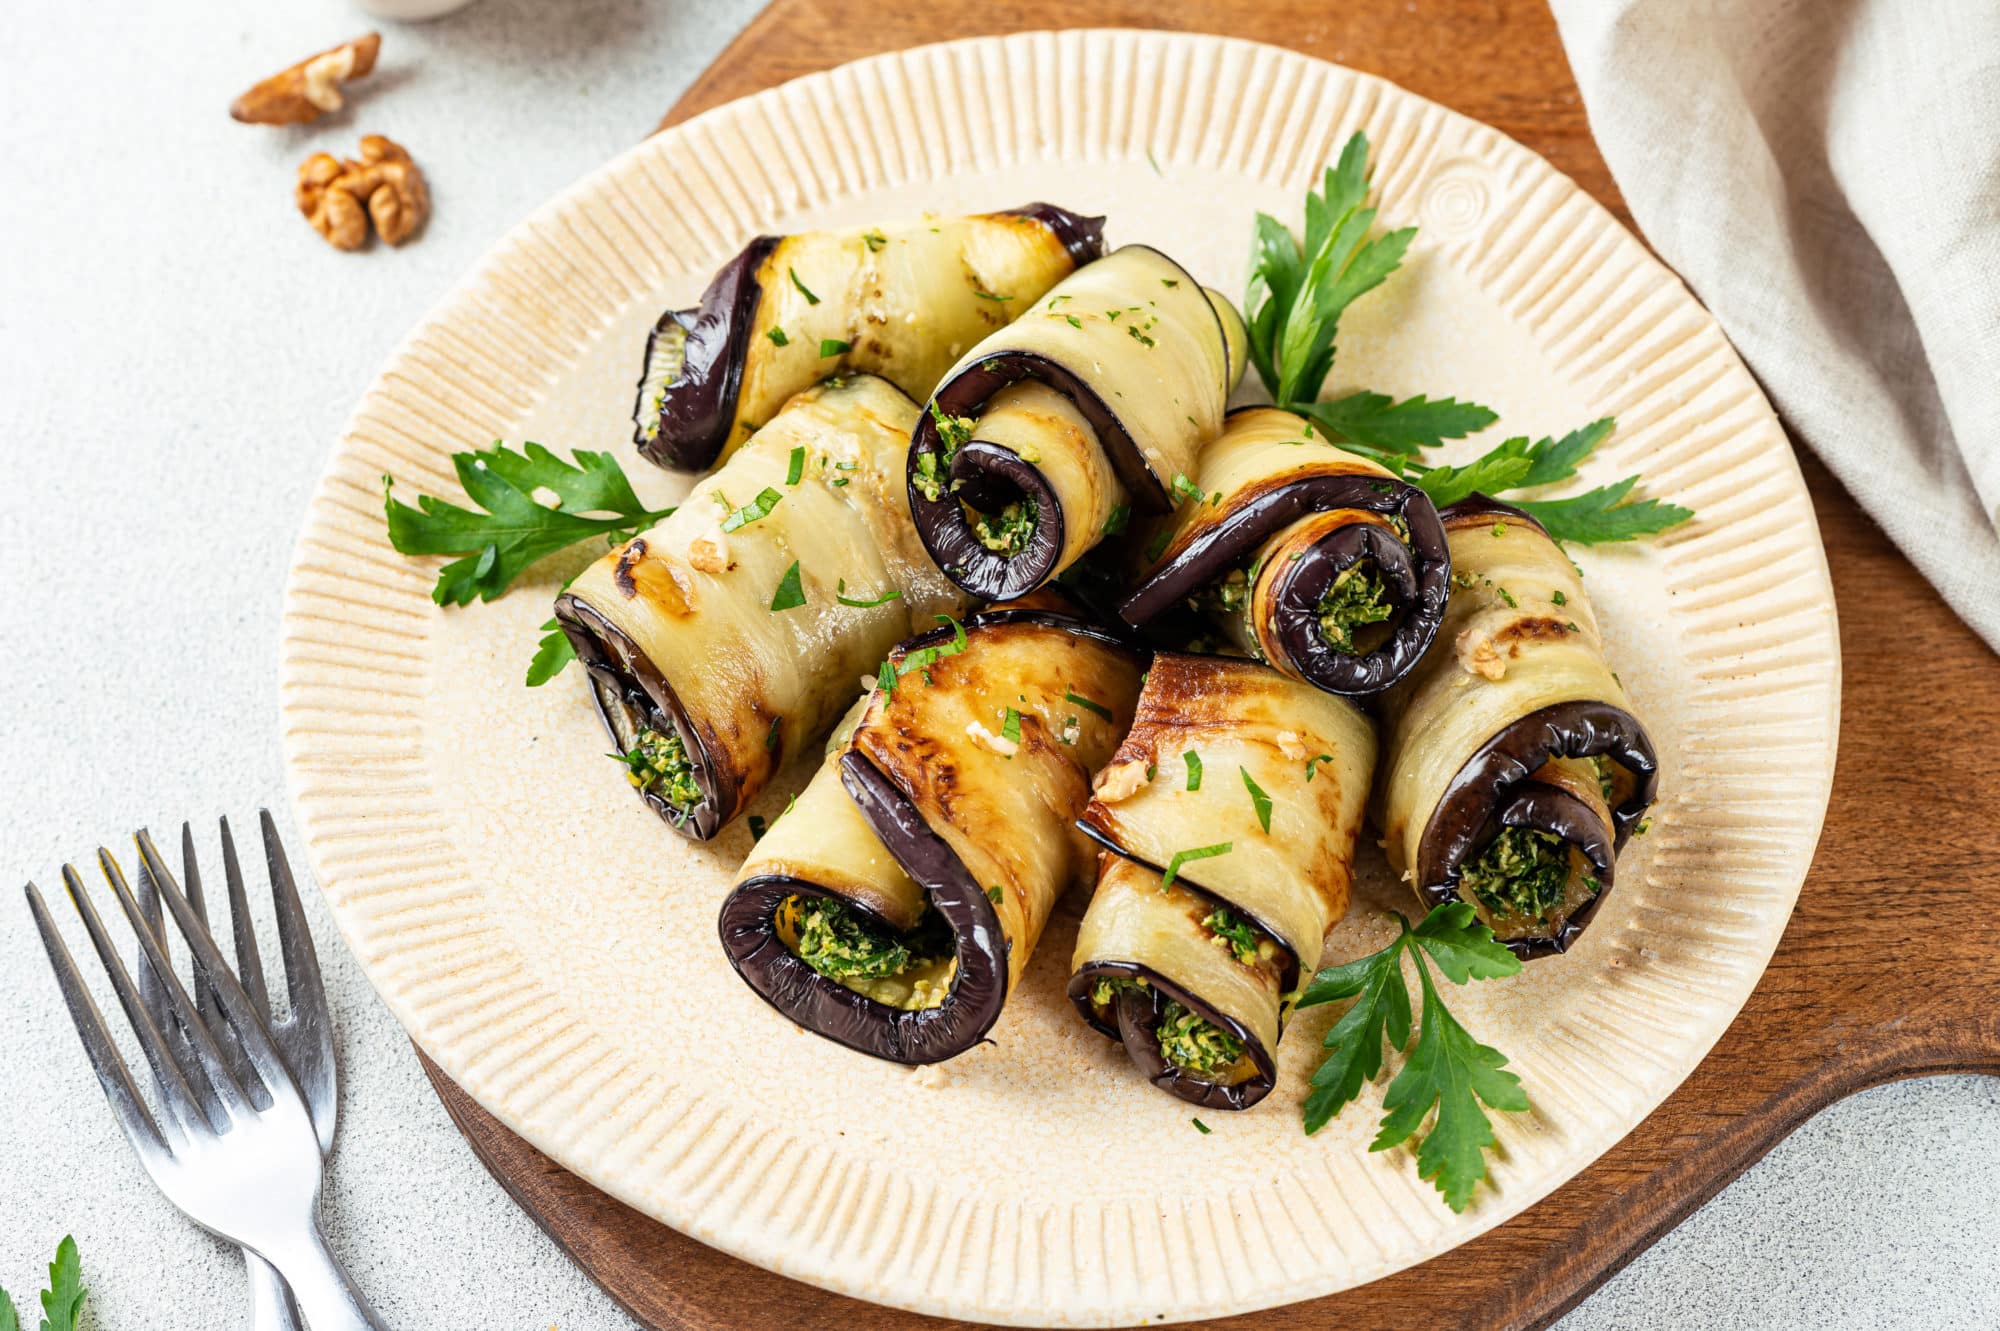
column 702, row 685
column 941, row 830
column 1086, row 407
column 1514, row 768
column 1315, row 560
column 901, row 302
column 1191, row 976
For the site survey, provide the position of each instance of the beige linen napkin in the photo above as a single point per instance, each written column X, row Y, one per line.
column 1826, row 175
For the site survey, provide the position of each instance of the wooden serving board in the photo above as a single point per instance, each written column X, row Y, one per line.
column 1887, row 968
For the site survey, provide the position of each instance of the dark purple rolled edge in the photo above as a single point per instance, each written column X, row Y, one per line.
column 989, row 476
column 826, row 1007
column 1137, row 1028
column 698, row 411
column 1416, row 575
column 614, row 661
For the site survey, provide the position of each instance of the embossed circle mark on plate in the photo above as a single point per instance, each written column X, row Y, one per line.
column 553, row 947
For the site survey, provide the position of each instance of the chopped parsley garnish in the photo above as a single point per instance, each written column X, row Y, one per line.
column 1073, row 321
column 1118, row 519
column 1448, row 1070
column 875, row 240
column 790, row 595
column 772, row 735
column 1201, row 1127
column 1508, row 597
column 988, row 295
column 797, row 470
column 832, row 346
column 1258, row 799
column 1183, row 488
column 1010, row 728
column 840, row 595
column 777, row 336
column 1087, row 704
column 1193, row 761
column 1184, row 857
column 1158, row 545
column 760, row 507
column 1559, row 598
column 811, row 299
column 995, row 895
column 1315, row 761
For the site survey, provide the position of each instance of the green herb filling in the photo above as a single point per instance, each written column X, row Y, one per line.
column 1521, row 872
column 1008, row 531
column 1354, row 600
column 841, row 943
column 1195, row 1044
column 658, row 764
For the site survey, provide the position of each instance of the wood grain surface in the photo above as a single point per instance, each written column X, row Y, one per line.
column 1887, row 968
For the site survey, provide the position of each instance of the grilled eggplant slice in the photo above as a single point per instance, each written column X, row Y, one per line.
column 1247, row 788
column 1094, row 401
column 1321, row 563
column 894, row 907
column 900, row 302
column 1515, row 768
column 705, row 679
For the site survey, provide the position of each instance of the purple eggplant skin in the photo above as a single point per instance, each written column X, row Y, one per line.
column 826, row 1007
column 698, row 411
column 1138, row 1019
column 615, row 663
column 1416, row 574
column 1495, row 789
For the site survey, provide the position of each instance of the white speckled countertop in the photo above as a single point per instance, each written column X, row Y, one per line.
column 179, row 353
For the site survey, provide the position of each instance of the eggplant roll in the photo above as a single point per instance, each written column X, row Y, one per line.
column 1249, row 787
column 1096, row 400
column 731, row 635
column 1516, row 770
column 894, row 907
column 899, row 302
column 1321, row 563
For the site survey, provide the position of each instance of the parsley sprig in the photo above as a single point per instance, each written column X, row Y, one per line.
column 62, row 1301
column 494, row 547
column 1448, row 1070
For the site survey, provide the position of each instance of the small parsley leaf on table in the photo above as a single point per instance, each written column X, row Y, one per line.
column 1448, row 1070
column 62, row 1301
column 551, row 656
column 9, row 1319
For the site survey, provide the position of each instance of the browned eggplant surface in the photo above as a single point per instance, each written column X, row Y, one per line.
column 1514, row 768
column 1045, row 436
column 730, row 636
column 893, row 907
column 1319, row 562
column 901, row 302
column 1229, row 815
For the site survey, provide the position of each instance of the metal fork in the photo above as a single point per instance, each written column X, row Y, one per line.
column 234, row 1148
column 304, row 1036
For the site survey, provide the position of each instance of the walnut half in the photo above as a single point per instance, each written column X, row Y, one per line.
column 301, row 94
column 341, row 198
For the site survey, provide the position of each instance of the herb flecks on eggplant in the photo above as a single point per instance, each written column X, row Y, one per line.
column 1313, row 559
column 1515, row 768
column 940, row 825
column 1091, row 402
column 754, row 570
column 1229, row 816
column 900, row 302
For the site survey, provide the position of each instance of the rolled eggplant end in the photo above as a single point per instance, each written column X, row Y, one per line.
column 1526, row 853
column 693, row 369
column 988, row 518
column 667, row 763
column 1082, row 237
column 1153, row 1016
column 1358, row 608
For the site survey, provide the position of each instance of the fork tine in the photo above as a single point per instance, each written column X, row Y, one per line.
column 175, row 1092
column 237, row 1010
column 249, row 962
column 151, row 993
column 126, row 1106
column 304, row 987
column 204, row 993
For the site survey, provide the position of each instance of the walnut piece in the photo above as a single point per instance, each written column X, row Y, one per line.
column 384, row 186
column 309, row 89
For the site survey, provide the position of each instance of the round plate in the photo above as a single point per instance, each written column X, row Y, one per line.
column 553, row 946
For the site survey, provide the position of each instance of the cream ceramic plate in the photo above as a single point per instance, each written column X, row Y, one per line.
column 554, row 948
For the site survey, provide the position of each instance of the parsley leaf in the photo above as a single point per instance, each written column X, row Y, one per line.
column 760, row 507
column 551, row 655
column 832, row 346
column 1193, row 761
column 1010, row 728
column 1405, row 427
column 1315, row 761
column 9, row 1319
column 1117, row 520
column 1182, row 857
column 1088, row 704
column 63, row 1299
column 840, row 595
column 790, row 595
column 1448, row 1070
column 1503, row 467
column 811, row 299
column 777, row 336
column 1258, row 799
column 1603, row 515
column 797, row 468
column 592, row 498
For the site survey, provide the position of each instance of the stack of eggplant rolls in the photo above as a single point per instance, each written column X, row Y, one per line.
column 994, row 397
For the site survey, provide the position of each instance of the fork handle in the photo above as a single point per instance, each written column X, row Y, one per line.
column 271, row 1306
column 321, row 1286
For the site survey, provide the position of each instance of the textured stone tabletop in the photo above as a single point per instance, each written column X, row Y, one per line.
column 177, row 354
